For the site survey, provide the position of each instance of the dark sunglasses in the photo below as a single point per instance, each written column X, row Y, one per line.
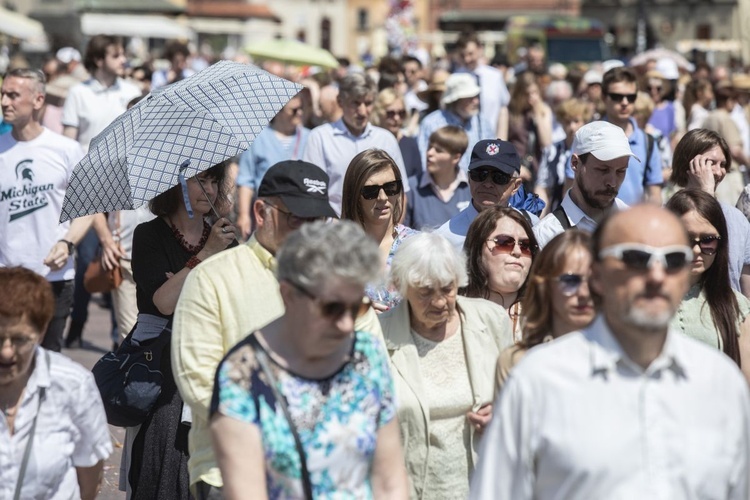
column 570, row 283
column 499, row 178
column 655, row 87
column 503, row 243
column 335, row 310
column 619, row 97
column 707, row 244
column 394, row 114
column 391, row 189
column 643, row 257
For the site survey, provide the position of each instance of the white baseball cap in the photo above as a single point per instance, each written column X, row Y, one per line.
column 603, row 140
column 68, row 54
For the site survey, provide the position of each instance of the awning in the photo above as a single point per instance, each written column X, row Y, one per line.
column 27, row 30
column 144, row 26
column 218, row 26
column 709, row 45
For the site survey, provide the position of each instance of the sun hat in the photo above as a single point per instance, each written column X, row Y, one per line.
column 302, row 186
column 459, row 86
column 603, row 140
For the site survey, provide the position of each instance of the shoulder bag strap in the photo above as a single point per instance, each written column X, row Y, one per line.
column 27, row 451
column 262, row 357
column 559, row 212
column 649, row 151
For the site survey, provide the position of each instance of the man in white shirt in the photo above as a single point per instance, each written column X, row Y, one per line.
column 600, row 158
column 333, row 145
column 626, row 408
column 35, row 168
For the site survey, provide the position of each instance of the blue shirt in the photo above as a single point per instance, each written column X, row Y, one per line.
column 640, row 173
column 424, row 209
column 266, row 151
column 477, row 129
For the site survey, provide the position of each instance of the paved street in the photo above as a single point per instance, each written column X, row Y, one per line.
column 96, row 342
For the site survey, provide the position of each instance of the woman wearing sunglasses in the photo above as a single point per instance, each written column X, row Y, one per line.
column 557, row 299
column 304, row 407
column 500, row 247
column 373, row 197
column 443, row 350
column 389, row 112
column 711, row 311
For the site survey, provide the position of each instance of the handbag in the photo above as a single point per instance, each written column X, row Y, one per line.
column 130, row 379
column 96, row 279
column 262, row 358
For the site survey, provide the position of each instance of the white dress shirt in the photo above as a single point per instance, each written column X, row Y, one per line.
column 550, row 226
column 578, row 419
column 71, row 431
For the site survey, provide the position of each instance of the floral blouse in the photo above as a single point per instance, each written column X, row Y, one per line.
column 337, row 418
column 381, row 292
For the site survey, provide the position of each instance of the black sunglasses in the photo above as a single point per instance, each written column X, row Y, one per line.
column 334, row 310
column 391, row 189
column 619, row 97
column 506, row 244
column 570, row 283
column 499, row 178
column 394, row 114
column 707, row 244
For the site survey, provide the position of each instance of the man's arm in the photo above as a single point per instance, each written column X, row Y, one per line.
column 652, row 194
column 745, row 281
column 58, row 254
column 111, row 249
column 502, row 124
column 71, row 132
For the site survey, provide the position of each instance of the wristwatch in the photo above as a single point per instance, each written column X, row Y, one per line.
column 71, row 246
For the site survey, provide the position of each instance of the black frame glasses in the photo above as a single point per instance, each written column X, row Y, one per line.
column 480, row 175
column 334, row 310
column 502, row 243
column 293, row 221
column 392, row 188
column 619, row 97
column 637, row 257
column 709, row 244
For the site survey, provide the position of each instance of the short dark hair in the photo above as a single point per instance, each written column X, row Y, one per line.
column 97, row 49
column 26, row 295
column 169, row 201
column 617, row 75
column 175, row 47
column 407, row 59
column 694, row 143
column 466, row 38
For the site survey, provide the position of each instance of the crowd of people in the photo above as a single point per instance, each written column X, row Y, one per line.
column 445, row 279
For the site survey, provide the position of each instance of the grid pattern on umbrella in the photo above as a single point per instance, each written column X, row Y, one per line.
column 207, row 118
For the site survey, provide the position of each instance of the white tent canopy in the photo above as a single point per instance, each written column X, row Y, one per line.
column 29, row 31
column 144, row 26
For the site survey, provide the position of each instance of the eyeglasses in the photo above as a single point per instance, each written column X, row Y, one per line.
column 643, row 257
column 503, row 243
column 619, row 97
column 292, row 220
column 17, row 343
column 707, row 244
column 499, row 178
column 654, row 87
column 393, row 114
column 570, row 283
column 391, row 189
column 334, row 310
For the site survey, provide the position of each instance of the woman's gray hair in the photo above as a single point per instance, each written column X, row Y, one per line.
column 319, row 251
column 427, row 259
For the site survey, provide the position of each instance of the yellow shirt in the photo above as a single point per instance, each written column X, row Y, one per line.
column 224, row 299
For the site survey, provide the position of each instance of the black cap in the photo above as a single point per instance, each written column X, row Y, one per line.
column 302, row 186
column 497, row 154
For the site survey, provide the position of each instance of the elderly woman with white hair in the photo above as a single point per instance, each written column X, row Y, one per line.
column 443, row 349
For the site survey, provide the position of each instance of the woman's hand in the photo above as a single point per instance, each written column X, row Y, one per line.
column 221, row 236
column 481, row 418
column 701, row 174
column 111, row 254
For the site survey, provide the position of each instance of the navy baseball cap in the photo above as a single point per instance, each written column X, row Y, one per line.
column 497, row 154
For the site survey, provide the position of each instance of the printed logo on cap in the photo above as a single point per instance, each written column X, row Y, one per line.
column 315, row 186
column 492, row 149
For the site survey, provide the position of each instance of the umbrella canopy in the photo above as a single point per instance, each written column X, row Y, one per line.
column 201, row 120
column 292, row 52
column 657, row 54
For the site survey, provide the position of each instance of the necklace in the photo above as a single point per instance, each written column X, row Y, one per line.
column 191, row 249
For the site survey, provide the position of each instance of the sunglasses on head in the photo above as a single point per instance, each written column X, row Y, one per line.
column 335, row 310
column 619, row 97
column 391, row 189
column 503, row 243
column 498, row 177
column 394, row 114
column 708, row 244
column 643, row 257
column 570, row 283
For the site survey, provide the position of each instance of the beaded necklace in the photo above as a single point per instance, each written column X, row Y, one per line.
column 191, row 249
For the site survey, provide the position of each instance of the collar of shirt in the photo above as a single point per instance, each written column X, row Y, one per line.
column 576, row 215
column 40, row 376
column 340, row 128
column 607, row 352
column 426, row 179
column 96, row 85
column 263, row 255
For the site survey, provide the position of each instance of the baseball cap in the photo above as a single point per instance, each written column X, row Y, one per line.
column 603, row 140
column 302, row 186
column 495, row 153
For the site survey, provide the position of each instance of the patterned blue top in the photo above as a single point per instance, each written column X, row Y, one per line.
column 381, row 292
column 337, row 418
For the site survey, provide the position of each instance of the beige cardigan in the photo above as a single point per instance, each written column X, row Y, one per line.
column 486, row 332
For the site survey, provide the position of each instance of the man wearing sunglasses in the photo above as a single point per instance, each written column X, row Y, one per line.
column 600, row 158
column 625, row 408
column 494, row 177
column 236, row 293
column 644, row 178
